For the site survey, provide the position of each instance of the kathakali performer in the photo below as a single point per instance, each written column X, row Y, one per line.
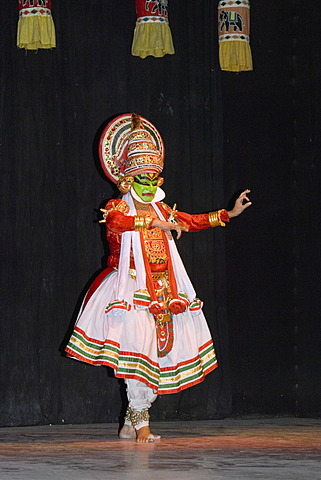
column 141, row 315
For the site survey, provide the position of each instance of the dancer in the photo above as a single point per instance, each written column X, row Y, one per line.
column 141, row 316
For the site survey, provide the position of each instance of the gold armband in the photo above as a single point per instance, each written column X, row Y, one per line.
column 142, row 222
column 215, row 219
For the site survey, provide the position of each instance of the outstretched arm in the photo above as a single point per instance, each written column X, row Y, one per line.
column 239, row 205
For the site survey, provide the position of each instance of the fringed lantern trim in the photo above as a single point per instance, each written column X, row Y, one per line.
column 152, row 34
column 234, row 35
column 36, row 28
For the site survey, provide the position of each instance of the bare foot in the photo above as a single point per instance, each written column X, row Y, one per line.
column 127, row 431
column 144, row 435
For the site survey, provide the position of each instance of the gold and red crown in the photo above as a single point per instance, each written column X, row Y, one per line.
column 130, row 145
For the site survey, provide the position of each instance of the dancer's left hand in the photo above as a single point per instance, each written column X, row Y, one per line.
column 239, row 205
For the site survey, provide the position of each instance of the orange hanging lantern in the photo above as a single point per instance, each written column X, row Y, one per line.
column 152, row 35
column 234, row 35
column 36, row 28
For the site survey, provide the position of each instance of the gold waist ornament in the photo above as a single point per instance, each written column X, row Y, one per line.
column 155, row 275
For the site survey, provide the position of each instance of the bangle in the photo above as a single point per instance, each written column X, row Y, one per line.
column 215, row 219
column 139, row 223
column 142, row 222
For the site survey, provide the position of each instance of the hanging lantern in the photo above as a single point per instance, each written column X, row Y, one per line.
column 234, row 35
column 35, row 26
column 152, row 35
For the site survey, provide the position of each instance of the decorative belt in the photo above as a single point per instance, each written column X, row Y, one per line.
column 155, row 275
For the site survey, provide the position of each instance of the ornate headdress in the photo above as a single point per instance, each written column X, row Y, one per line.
column 130, row 145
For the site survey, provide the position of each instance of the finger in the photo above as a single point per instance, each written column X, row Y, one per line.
column 181, row 225
column 243, row 194
column 179, row 233
column 243, row 198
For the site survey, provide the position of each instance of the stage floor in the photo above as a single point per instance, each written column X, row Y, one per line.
column 229, row 449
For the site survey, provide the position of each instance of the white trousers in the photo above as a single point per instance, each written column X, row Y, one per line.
column 140, row 397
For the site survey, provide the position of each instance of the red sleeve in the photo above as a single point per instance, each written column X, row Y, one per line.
column 116, row 220
column 199, row 221
column 194, row 222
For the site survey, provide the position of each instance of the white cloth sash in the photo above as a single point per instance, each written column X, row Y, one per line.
column 131, row 240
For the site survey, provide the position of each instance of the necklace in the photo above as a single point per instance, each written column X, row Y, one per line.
column 142, row 206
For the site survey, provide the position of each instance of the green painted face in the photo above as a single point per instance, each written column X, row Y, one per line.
column 145, row 185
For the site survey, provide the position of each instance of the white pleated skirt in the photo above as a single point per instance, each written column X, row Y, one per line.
column 128, row 343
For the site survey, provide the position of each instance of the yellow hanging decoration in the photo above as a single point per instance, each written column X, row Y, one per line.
column 152, row 35
column 234, row 35
column 36, row 28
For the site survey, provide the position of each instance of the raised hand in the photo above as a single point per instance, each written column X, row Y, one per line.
column 239, row 205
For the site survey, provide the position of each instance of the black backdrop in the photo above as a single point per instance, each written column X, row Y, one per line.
column 259, row 278
column 272, row 142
